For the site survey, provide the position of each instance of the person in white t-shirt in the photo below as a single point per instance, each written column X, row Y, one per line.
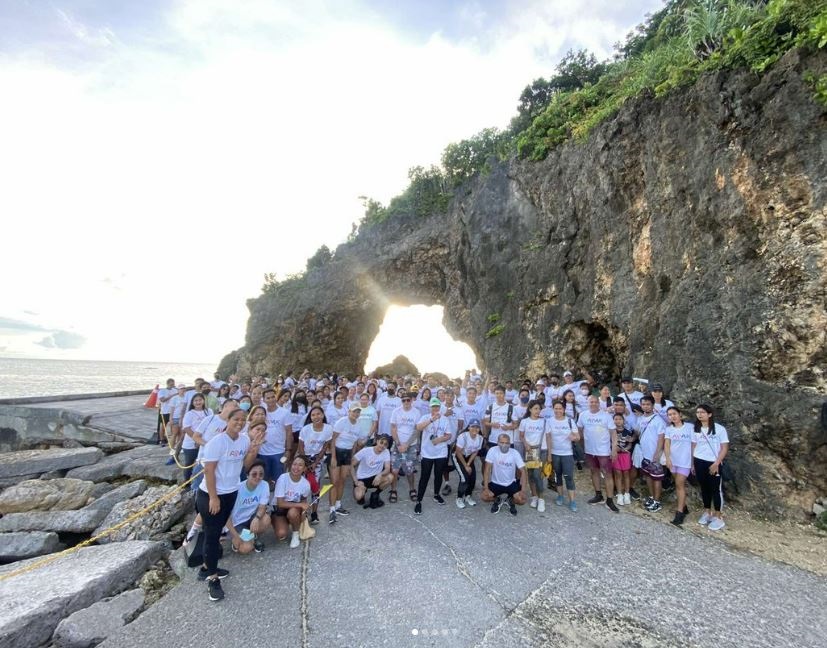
column 192, row 419
column 534, row 440
column 385, row 406
column 469, row 443
column 165, row 395
column 710, row 445
column 651, row 427
column 278, row 438
column 249, row 517
column 337, row 409
column 660, row 403
column 345, row 443
column 291, row 500
column 629, row 393
column 562, row 434
column 622, row 464
column 499, row 418
column 436, row 433
column 456, row 417
column 224, row 457
column 314, row 443
column 177, row 405
column 368, row 419
column 405, row 445
column 600, row 441
column 370, row 468
column 503, row 475
column 677, row 448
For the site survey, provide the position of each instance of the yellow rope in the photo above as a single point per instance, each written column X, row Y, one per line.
column 173, row 454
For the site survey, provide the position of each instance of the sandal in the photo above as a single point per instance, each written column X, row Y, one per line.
column 412, row 495
column 393, row 497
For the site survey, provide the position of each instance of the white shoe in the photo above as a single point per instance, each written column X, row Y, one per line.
column 716, row 524
column 533, row 502
column 294, row 541
column 619, row 499
column 460, row 503
column 469, row 501
column 541, row 505
column 704, row 519
column 626, row 499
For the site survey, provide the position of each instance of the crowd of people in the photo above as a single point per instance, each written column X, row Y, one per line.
column 260, row 450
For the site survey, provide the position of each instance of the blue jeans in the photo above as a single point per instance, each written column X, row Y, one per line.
column 273, row 468
column 189, row 459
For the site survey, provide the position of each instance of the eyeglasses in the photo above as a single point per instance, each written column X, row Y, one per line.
column 256, row 474
column 406, row 399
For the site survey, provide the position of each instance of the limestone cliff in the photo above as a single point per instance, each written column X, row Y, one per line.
column 684, row 241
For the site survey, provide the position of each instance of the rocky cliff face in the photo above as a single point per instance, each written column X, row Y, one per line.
column 683, row 241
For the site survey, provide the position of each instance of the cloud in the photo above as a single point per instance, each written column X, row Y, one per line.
column 62, row 340
column 15, row 326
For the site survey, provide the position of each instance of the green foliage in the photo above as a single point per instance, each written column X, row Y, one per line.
column 462, row 160
column 493, row 318
column 495, row 330
column 273, row 286
column 320, row 259
column 819, row 86
column 821, row 521
column 509, row 294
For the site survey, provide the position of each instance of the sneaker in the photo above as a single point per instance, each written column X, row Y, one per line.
column 633, row 494
column 541, row 505
column 655, row 507
column 202, row 573
column 314, row 518
column 294, row 541
column 618, row 499
column 215, row 589
column 438, row 499
column 460, row 503
column 648, row 502
column 495, row 505
column 611, row 504
column 627, row 499
column 512, row 507
column 418, row 508
column 446, row 490
column 573, row 506
column 258, row 545
column 678, row 519
column 469, row 501
column 331, row 519
column 579, row 465
column 342, row 511
column 533, row 502
column 560, row 500
column 716, row 524
column 170, row 461
column 597, row 499
column 704, row 519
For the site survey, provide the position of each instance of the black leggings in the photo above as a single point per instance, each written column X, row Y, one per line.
column 467, row 478
column 710, row 485
column 163, row 422
column 425, row 467
column 213, row 525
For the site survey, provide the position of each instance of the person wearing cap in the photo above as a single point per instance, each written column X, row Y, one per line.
column 346, row 435
column 165, row 395
column 405, row 444
column 436, row 434
column 660, row 403
column 468, row 446
column 370, row 468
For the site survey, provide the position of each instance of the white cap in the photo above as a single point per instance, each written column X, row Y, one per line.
column 568, row 373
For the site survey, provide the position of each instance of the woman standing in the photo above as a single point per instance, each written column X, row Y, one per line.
column 573, row 411
column 314, row 442
column 710, row 444
column 677, row 446
column 534, row 440
column 563, row 433
column 436, row 435
column 197, row 412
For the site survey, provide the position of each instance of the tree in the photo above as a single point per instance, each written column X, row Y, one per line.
column 463, row 159
column 320, row 258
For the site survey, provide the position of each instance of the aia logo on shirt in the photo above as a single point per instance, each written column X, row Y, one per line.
column 234, row 454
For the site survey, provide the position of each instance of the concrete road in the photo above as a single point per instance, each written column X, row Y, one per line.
column 471, row 578
column 123, row 415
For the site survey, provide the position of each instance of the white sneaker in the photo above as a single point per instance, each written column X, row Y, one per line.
column 533, row 503
column 469, row 501
column 626, row 499
column 460, row 503
column 294, row 541
column 716, row 524
column 541, row 505
column 619, row 499
column 704, row 519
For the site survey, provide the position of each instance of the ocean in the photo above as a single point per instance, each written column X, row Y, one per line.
column 19, row 377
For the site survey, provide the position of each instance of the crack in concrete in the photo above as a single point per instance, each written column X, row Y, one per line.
column 303, row 607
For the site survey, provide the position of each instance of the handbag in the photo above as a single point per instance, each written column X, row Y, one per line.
column 724, row 469
column 306, row 532
column 532, row 457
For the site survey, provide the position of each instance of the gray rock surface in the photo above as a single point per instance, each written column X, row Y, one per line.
column 20, row 545
column 101, row 488
column 32, row 604
column 87, row 628
column 54, row 474
column 5, row 482
column 120, row 494
column 154, row 522
column 46, row 495
column 80, row 521
column 146, row 461
column 28, row 462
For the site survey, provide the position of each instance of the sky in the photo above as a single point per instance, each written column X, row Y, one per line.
column 159, row 157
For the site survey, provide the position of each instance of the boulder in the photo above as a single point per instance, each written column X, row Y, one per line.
column 120, row 494
column 100, row 489
column 87, row 628
column 20, row 545
column 33, row 603
column 46, row 495
column 11, row 481
column 109, row 467
column 82, row 521
column 153, row 522
column 28, row 462
column 145, row 461
column 54, row 474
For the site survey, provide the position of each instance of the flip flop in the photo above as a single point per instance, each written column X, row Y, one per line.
column 392, row 497
column 412, row 494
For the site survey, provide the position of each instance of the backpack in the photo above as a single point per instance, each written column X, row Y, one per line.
column 488, row 412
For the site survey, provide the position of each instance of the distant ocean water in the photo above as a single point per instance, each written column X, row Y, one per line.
column 20, row 377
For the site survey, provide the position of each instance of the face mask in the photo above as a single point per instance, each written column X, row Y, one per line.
column 302, row 400
column 244, row 406
column 504, row 447
column 523, row 399
column 583, row 392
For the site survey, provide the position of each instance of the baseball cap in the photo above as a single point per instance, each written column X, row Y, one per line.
column 435, row 402
column 355, row 406
column 657, row 387
column 568, row 373
column 473, row 423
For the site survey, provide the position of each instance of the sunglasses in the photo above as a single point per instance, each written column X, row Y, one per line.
column 257, row 474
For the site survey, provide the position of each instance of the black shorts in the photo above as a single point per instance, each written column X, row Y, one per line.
column 244, row 525
column 343, row 456
column 368, row 481
column 280, row 512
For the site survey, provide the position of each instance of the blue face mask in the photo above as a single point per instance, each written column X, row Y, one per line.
column 524, row 399
column 244, row 406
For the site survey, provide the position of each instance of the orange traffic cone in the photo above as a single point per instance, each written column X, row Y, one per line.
column 152, row 401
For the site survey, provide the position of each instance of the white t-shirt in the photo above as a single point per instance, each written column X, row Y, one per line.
column 289, row 490
column 650, row 428
column 370, row 463
column 333, row 414
column 366, row 419
column 660, row 410
column 314, row 441
column 229, row 456
column 248, row 501
column 163, row 393
column 405, row 424
column 702, row 448
column 209, row 428
column 456, row 418
column 473, row 411
column 217, row 384
column 468, row 444
column 176, row 406
column 192, row 419
column 438, row 428
column 275, row 439
column 534, row 432
column 560, row 432
column 680, row 444
column 348, row 432
column 505, row 465
column 596, row 426
column 499, row 414
column 385, row 406
column 634, row 397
